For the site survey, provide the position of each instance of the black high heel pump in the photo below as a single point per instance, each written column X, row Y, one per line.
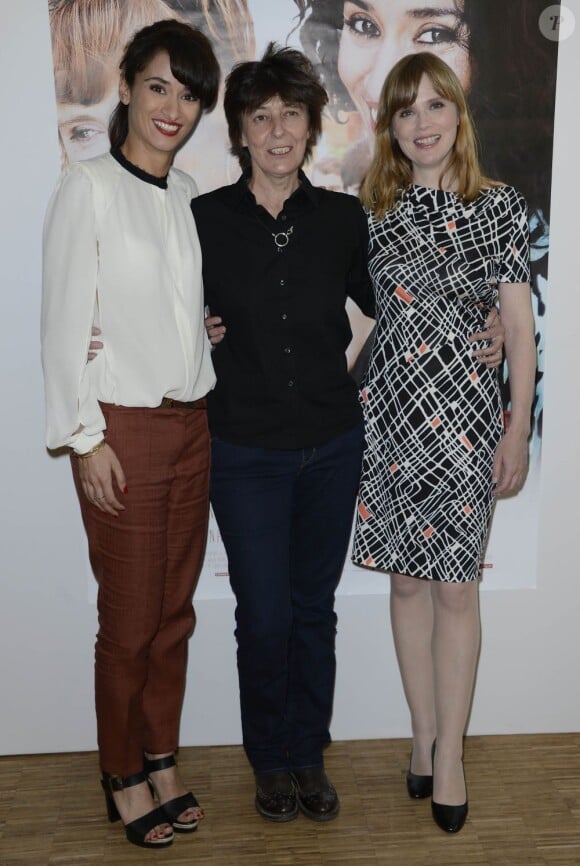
column 136, row 830
column 449, row 818
column 420, row 787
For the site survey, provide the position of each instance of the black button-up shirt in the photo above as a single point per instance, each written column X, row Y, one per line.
column 282, row 380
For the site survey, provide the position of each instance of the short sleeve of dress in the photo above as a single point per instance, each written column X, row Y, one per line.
column 515, row 256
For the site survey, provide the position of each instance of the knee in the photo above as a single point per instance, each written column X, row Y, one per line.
column 263, row 637
column 128, row 651
column 404, row 587
column 319, row 617
column 127, row 643
column 456, row 599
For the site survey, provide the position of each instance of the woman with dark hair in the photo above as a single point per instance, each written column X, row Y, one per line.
column 88, row 38
column 121, row 252
column 446, row 243
column 280, row 258
column 505, row 65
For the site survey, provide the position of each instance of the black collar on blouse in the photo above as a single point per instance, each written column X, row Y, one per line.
column 117, row 154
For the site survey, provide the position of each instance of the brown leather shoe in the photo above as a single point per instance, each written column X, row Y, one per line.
column 316, row 797
column 276, row 797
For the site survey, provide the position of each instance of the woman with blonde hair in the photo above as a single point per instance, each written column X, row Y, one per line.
column 507, row 69
column 445, row 244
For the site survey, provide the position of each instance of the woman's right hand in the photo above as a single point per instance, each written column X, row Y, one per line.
column 215, row 330
column 97, row 474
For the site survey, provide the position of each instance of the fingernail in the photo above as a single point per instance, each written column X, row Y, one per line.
column 125, row 489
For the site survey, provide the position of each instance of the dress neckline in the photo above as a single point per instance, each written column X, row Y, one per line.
column 133, row 169
column 430, row 196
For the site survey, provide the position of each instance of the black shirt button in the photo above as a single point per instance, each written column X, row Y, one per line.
column 287, row 350
column 291, row 383
column 282, row 282
column 284, row 316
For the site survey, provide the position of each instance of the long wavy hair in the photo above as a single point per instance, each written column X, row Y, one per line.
column 88, row 37
column 319, row 23
column 228, row 25
column 391, row 171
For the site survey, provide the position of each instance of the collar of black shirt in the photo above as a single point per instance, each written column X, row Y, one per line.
column 303, row 199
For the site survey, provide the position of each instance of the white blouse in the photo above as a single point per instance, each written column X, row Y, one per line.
column 122, row 253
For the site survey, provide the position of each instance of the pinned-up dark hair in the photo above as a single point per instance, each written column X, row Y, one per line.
column 192, row 61
column 282, row 72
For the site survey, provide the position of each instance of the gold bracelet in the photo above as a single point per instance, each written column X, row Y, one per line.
column 94, row 450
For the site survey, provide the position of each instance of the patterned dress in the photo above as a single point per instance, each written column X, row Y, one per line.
column 433, row 414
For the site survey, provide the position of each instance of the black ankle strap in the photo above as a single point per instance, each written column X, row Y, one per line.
column 118, row 783
column 152, row 765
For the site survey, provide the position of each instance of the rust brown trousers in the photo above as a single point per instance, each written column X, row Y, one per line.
column 146, row 562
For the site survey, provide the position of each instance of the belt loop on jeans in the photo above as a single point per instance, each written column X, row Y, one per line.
column 170, row 403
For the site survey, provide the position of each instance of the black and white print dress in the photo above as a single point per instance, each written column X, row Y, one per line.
column 433, row 414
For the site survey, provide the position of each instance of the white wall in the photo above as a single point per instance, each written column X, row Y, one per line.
column 528, row 677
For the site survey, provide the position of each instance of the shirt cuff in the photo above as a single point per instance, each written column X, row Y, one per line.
column 84, row 442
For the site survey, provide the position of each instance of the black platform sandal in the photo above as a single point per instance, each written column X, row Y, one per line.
column 173, row 808
column 136, row 830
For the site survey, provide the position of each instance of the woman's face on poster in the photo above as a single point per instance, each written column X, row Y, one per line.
column 83, row 129
column 377, row 33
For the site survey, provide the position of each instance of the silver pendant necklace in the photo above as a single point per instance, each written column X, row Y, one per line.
column 282, row 239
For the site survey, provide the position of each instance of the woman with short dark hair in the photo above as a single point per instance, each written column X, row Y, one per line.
column 121, row 252
column 280, row 258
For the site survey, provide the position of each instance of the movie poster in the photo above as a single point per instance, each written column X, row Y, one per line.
column 506, row 61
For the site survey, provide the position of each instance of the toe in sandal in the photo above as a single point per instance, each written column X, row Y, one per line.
column 136, row 830
column 173, row 808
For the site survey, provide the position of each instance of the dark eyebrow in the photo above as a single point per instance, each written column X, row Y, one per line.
column 419, row 12
column 433, row 12
column 264, row 107
column 79, row 118
column 157, row 78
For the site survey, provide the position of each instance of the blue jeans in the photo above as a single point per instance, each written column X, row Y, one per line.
column 285, row 519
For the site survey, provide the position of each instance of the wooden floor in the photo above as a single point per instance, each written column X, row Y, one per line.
column 524, row 794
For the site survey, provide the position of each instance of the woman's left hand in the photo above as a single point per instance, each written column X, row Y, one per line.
column 510, row 464
column 494, row 333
